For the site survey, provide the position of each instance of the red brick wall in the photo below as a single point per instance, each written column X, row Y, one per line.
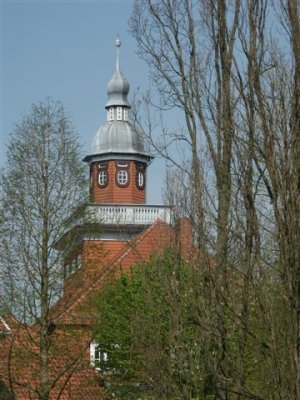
column 112, row 193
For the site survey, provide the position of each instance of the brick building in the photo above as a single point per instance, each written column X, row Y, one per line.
column 113, row 232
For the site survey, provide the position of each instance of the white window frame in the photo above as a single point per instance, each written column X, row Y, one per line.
column 122, row 177
column 111, row 114
column 96, row 356
column 125, row 114
column 102, row 177
column 119, row 113
column 141, row 179
column 122, row 164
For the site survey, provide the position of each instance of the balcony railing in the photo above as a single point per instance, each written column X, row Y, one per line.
column 123, row 214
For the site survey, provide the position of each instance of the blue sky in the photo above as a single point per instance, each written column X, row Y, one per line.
column 65, row 50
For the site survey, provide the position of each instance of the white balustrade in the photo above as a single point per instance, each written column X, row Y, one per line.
column 127, row 214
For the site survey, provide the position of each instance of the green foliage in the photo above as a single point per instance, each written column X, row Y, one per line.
column 5, row 393
column 160, row 324
column 148, row 330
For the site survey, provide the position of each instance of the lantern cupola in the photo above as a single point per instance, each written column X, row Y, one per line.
column 118, row 160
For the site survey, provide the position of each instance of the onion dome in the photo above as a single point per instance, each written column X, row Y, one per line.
column 118, row 138
column 118, row 86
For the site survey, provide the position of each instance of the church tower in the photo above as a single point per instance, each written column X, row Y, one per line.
column 116, row 212
column 109, row 235
column 118, row 161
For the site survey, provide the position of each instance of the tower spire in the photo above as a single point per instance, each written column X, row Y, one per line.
column 118, row 45
column 118, row 86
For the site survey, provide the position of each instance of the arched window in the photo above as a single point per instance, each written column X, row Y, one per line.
column 122, row 177
column 122, row 174
column 102, row 175
column 140, row 180
column 140, row 175
column 102, row 178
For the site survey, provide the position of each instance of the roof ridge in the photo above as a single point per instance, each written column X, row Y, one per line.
column 123, row 252
column 6, row 326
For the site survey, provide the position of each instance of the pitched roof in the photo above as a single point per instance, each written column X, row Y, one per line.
column 76, row 308
column 70, row 375
column 73, row 314
column 4, row 326
column 9, row 324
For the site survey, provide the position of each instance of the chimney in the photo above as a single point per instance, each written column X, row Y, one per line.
column 184, row 237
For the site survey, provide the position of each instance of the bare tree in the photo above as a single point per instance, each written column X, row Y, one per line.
column 41, row 186
column 199, row 83
column 222, row 65
column 276, row 87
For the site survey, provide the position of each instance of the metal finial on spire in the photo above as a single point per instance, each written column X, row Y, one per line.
column 118, row 45
column 118, row 86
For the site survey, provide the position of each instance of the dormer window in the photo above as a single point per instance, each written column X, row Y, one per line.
column 119, row 113
column 72, row 265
